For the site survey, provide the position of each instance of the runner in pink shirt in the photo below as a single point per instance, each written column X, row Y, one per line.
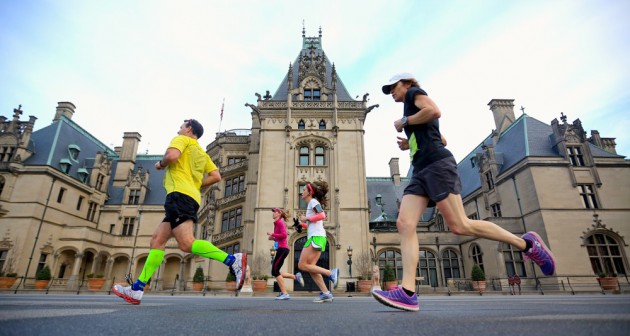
column 280, row 235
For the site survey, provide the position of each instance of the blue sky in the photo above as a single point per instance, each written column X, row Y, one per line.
column 143, row 66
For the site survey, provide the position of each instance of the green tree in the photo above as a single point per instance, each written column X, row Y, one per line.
column 198, row 277
column 43, row 274
column 477, row 273
column 389, row 274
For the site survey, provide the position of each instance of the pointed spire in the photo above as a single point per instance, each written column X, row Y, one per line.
column 334, row 78
column 290, row 77
column 303, row 29
column 320, row 32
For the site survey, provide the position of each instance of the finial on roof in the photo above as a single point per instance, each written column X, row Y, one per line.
column 17, row 112
column 563, row 117
column 320, row 31
column 303, row 29
column 522, row 109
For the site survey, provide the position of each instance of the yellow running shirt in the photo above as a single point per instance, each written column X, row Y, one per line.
column 185, row 174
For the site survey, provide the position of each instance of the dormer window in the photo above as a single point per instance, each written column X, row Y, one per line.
column 312, row 94
column 65, row 165
column 83, row 174
column 74, row 151
column 301, row 124
column 575, row 156
column 6, row 153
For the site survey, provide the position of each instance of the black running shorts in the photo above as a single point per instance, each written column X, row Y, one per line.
column 435, row 181
column 180, row 208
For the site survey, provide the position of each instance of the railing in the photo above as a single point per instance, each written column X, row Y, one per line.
column 570, row 285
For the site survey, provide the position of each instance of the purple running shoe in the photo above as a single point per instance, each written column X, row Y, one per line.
column 539, row 253
column 397, row 298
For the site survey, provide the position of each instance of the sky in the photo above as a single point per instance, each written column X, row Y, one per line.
column 144, row 66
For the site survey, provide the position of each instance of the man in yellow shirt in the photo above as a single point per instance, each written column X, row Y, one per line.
column 188, row 168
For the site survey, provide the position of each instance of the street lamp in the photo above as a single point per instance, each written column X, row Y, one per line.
column 272, row 252
column 350, row 260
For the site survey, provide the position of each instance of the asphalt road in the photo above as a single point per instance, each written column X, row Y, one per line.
column 36, row 314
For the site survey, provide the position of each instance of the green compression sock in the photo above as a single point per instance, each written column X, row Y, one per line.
column 153, row 262
column 205, row 249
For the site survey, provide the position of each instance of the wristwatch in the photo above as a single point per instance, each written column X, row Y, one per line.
column 403, row 121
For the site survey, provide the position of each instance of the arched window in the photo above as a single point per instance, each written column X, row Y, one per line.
column 393, row 259
column 320, row 159
column 322, row 124
column 427, row 268
column 450, row 263
column 514, row 263
column 304, row 156
column 477, row 256
column 301, row 124
column 2, row 182
column 605, row 254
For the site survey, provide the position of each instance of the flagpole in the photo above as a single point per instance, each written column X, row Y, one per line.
column 221, row 120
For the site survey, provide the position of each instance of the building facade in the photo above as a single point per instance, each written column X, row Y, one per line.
column 70, row 202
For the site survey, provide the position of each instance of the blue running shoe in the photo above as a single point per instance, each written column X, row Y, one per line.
column 324, row 297
column 539, row 253
column 283, row 296
column 397, row 298
column 334, row 277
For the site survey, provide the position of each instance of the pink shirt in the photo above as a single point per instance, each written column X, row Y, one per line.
column 280, row 233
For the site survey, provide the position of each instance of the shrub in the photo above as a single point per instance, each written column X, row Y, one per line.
column 43, row 274
column 389, row 274
column 363, row 264
column 230, row 277
column 91, row 275
column 198, row 277
column 477, row 273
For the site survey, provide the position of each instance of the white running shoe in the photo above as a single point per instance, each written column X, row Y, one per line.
column 283, row 296
column 334, row 277
column 238, row 269
column 299, row 278
column 324, row 297
column 128, row 294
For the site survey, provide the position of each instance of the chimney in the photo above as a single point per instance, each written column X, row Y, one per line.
column 394, row 171
column 131, row 140
column 607, row 144
column 503, row 112
column 64, row 108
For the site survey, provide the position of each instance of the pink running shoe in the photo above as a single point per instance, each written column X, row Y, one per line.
column 539, row 253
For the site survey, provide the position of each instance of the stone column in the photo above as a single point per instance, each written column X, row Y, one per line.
column 181, row 281
column 108, row 273
column 74, row 281
column 95, row 263
column 158, row 276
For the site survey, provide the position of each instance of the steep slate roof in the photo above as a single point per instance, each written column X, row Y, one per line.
column 50, row 145
column 389, row 193
column 155, row 194
column 526, row 137
column 282, row 91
